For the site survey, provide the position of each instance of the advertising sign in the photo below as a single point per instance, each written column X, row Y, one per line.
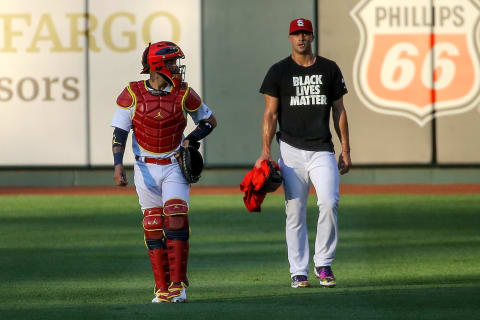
column 63, row 64
column 416, row 60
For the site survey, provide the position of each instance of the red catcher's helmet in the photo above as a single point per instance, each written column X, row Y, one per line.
column 154, row 58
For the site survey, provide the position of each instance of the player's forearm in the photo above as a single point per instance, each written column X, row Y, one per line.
column 119, row 141
column 340, row 123
column 269, row 127
column 204, row 128
column 341, row 127
column 118, row 155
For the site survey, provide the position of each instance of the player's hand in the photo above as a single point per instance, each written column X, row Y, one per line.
column 185, row 144
column 344, row 162
column 193, row 144
column 258, row 163
column 119, row 176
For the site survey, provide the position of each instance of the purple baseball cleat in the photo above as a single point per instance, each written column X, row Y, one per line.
column 300, row 281
column 325, row 274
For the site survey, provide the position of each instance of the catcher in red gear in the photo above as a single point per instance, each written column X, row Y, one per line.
column 156, row 111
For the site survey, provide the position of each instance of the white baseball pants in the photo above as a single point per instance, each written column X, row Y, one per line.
column 298, row 167
column 156, row 184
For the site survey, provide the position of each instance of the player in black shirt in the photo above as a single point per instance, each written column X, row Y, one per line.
column 299, row 92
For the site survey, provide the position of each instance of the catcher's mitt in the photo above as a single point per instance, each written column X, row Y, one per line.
column 274, row 179
column 191, row 163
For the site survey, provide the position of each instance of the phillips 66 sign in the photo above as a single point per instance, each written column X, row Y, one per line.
column 418, row 58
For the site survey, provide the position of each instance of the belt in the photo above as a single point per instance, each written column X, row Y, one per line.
column 159, row 161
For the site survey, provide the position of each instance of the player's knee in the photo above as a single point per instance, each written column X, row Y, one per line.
column 329, row 205
column 174, row 207
column 176, row 222
column 295, row 212
column 153, row 223
column 176, row 225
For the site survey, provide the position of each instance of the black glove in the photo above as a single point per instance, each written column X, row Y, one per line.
column 273, row 181
column 191, row 163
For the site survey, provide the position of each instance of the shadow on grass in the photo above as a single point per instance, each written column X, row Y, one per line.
column 425, row 302
column 396, row 260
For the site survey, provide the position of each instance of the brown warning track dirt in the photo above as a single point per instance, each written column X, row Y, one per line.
column 344, row 189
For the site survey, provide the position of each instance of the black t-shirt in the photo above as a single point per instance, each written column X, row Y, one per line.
column 305, row 98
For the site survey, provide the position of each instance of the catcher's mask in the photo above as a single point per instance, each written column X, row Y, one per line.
column 155, row 56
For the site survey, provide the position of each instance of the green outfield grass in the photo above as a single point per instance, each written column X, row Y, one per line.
column 83, row 257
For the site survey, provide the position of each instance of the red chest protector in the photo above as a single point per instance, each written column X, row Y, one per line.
column 158, row 121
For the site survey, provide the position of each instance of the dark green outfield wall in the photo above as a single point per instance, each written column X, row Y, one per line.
column 241, row 40
column 233, row 177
